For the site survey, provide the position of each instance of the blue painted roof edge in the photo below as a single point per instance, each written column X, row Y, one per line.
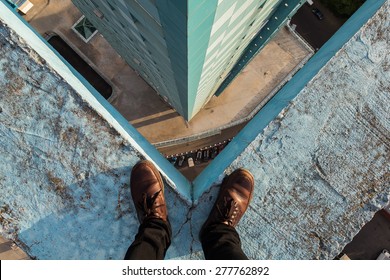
column 272, row 109
column 96, row 101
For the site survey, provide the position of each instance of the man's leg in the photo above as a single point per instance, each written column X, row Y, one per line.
column 218, row 235
column 222, row 242
column 154, row 233
column 151, row 242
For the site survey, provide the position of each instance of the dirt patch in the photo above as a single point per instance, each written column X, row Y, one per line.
column 58, row 186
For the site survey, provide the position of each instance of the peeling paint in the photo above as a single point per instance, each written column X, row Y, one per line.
column 321, row 168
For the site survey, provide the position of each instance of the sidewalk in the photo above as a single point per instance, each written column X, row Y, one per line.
column 10, row 251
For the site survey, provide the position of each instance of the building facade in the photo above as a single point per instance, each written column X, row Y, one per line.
column 187, row 50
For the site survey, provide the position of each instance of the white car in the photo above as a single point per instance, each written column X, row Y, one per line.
column 190, row 162
column 385, row 255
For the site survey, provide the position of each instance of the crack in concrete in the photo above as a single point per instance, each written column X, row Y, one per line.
column 188, row 221
column 29, row 133
column 37, row 86
column 318, row 167
column 188, row 217
column 321, row 245
column 321, row 175
column 192, row 236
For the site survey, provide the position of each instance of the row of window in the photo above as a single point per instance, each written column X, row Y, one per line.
column 226, row 50
column 133, row 37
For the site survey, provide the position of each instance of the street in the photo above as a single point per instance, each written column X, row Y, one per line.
column 316, row 32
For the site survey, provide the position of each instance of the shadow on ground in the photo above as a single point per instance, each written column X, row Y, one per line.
column 97, row 220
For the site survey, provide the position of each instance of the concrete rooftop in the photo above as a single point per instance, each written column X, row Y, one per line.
column 321, row 165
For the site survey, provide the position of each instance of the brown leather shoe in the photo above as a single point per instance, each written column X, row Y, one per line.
column 147, row 190
column 233, row 199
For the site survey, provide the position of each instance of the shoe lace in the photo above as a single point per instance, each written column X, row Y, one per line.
column 229, row 210
column 148, row 203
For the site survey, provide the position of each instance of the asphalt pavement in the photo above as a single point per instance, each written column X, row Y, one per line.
column 372, row 239
column 315, row 31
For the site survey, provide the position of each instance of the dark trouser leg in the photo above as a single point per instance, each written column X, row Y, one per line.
column 222, row 242
column 151, row 242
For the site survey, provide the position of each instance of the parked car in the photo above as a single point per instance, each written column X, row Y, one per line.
column 214, row 152
column 385, row 255
column 206, row 155
column 190, row 162
column 221, row 147
column 173, row 160
column 181, row 161
column 318, row 13
column 198, row 157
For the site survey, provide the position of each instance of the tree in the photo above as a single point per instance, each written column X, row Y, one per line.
column 344, row 8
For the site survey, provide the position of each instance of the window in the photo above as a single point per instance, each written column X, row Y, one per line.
column 135, row 20
column 98, row 13
column 85, row 29
column 111, row 7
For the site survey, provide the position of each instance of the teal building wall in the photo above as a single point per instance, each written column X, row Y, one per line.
column 185, row 50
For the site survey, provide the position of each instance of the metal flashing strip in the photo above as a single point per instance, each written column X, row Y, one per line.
column 282, row 99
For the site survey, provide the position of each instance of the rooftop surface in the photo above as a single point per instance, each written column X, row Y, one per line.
column 321, row 166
